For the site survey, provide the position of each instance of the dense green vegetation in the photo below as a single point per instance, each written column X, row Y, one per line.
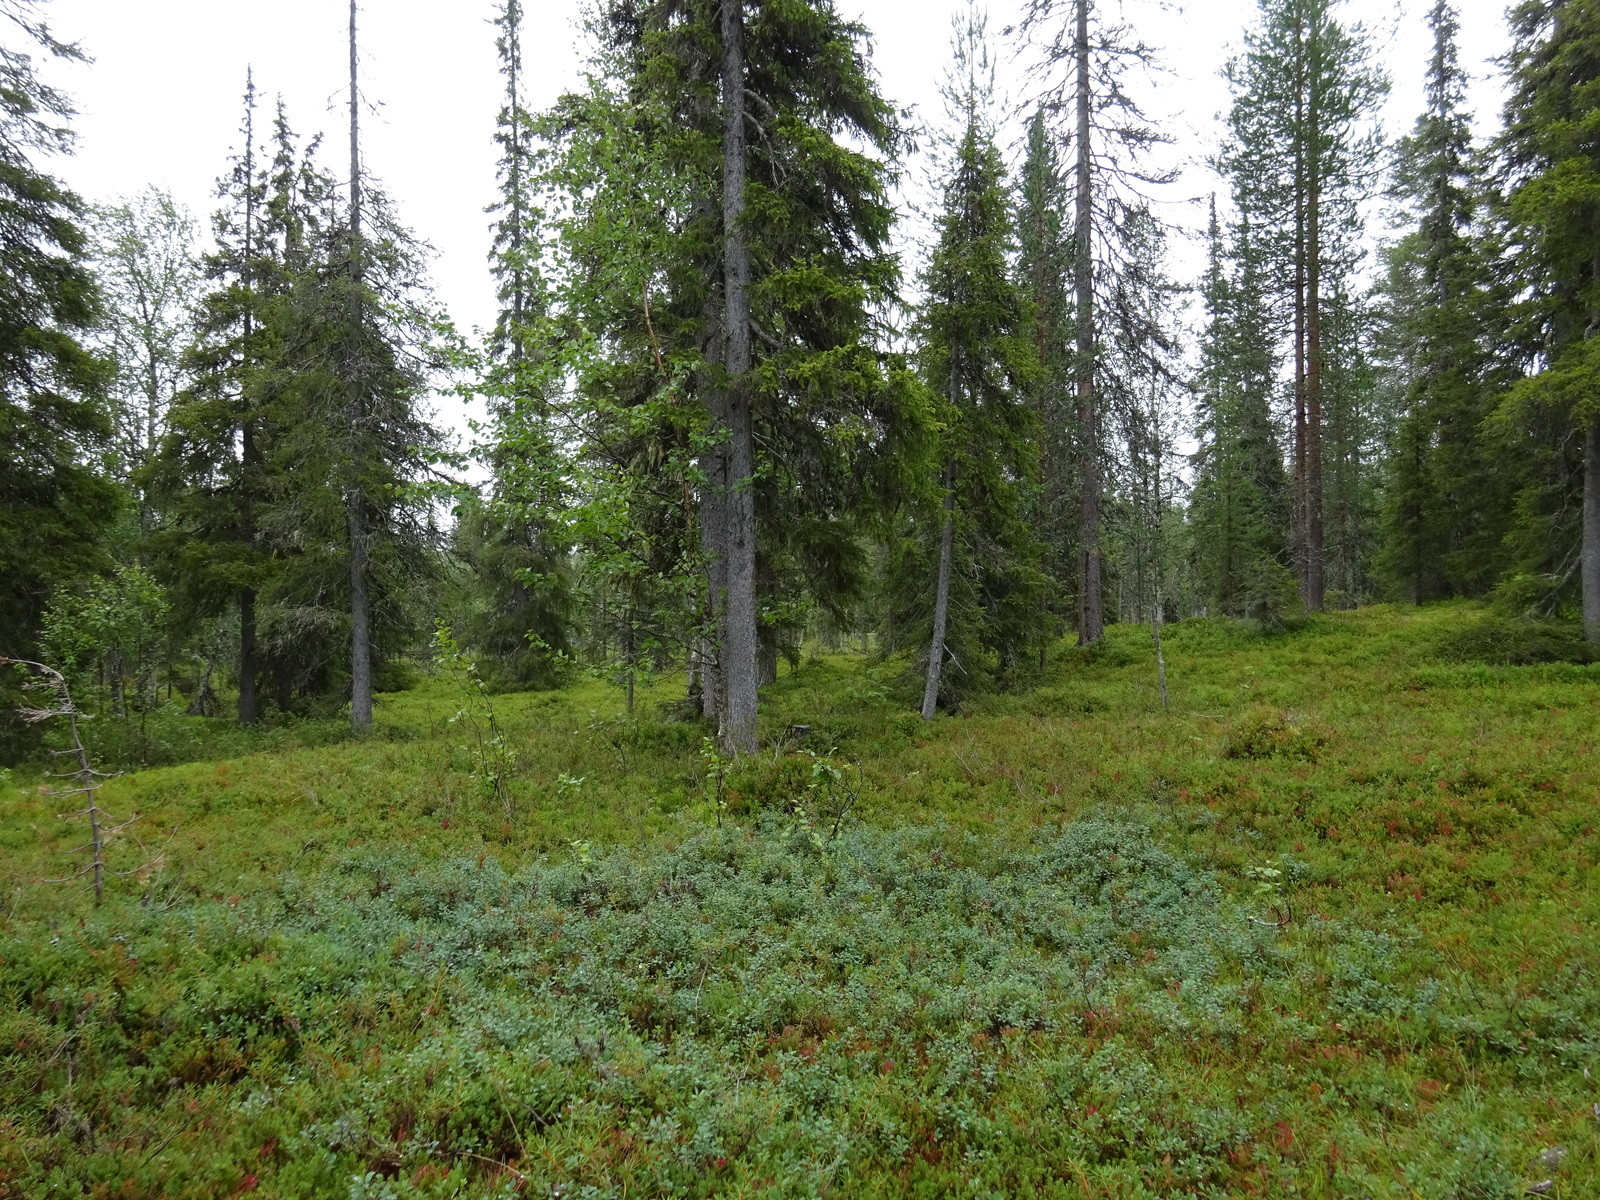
column 1320, row 929
column 855, row 718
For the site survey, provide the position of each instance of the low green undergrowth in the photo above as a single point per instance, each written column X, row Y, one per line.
column 1325, row 927
column 917, row 1012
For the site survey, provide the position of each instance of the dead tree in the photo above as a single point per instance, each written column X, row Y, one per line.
column 88, row 781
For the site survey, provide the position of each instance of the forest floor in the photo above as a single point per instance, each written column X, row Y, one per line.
column 1326, row 927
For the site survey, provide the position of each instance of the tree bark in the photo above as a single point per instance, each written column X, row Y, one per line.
column 1091, row 619
column 941, row 599
column 1591, row 533
column 714, row 521
column 1297, row 530
column 740, row 644
column 249, row 459
column 1315, row 584
column 248, row 712
column 360, row 604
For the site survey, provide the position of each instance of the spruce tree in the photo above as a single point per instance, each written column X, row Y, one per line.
column 208, row 479
column 1044, row 270
column 1355, row 432
column 365, row 340
column 513, row 539
column 1142, row 385
column 976, row 355
column 1238, row 507
column 54, row 505
column 1549, row 160
column 1111, row 141
column 1445, row 501
column 771, row 382
column 1301, row 153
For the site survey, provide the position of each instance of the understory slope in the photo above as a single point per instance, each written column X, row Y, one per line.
column 1325, row 927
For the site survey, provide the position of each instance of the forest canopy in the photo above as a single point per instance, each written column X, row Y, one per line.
column 736, row 400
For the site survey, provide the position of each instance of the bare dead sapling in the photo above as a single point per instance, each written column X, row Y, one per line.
column 85, row 781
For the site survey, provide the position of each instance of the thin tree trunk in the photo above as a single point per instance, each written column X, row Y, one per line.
column 1298, row 519
column 941, row 598
column 1091, row 617
column 1315, row 583
column 360, row 622
column 1591, row 533
column 631, row 652
column 1044, row 330
column 767, row 580
column 1157, row 615
column 247, row 657
column 249, row 459
column 360, row 604
column 740, row 643
column 714, row 530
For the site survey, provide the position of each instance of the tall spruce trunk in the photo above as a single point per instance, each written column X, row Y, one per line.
column 1315, row 583
column 1297, row 523
column 249, row 708
column 1590, row 564
column 740, row 645
column 941, row 598
column 713, row 523
column 248, row 658
column 360, row 603
column 1091, row 617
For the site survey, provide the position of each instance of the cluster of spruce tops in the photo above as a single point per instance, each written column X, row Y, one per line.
column 720, row 419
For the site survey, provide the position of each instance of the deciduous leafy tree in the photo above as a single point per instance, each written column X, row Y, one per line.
column 146, row 265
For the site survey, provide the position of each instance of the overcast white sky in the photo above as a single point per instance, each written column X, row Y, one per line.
column 161, row 101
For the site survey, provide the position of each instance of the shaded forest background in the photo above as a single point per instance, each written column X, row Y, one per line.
column 726, row 417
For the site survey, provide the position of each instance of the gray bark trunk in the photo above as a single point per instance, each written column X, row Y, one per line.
column 360, row 606
column 1091, row 618
column 740, row 645
column 941, row 600
column 1315, row 580
column 247, row 658
column 249, row 709
column 1297, row 522
column 714, row 528
column 1591, row 533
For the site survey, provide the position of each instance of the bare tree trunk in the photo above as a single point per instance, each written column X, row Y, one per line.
column 1297, row 523
column 941, row 598
column 739, row 643
column 631, row 651
column 360, row 622
column 714, row 525
column 767, row 586
column 1591, row 533
column 1157, row 614
column 249, row 709
column 1315, row 582
column 247, row 657
column 360, row 603
column 1091, row 617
